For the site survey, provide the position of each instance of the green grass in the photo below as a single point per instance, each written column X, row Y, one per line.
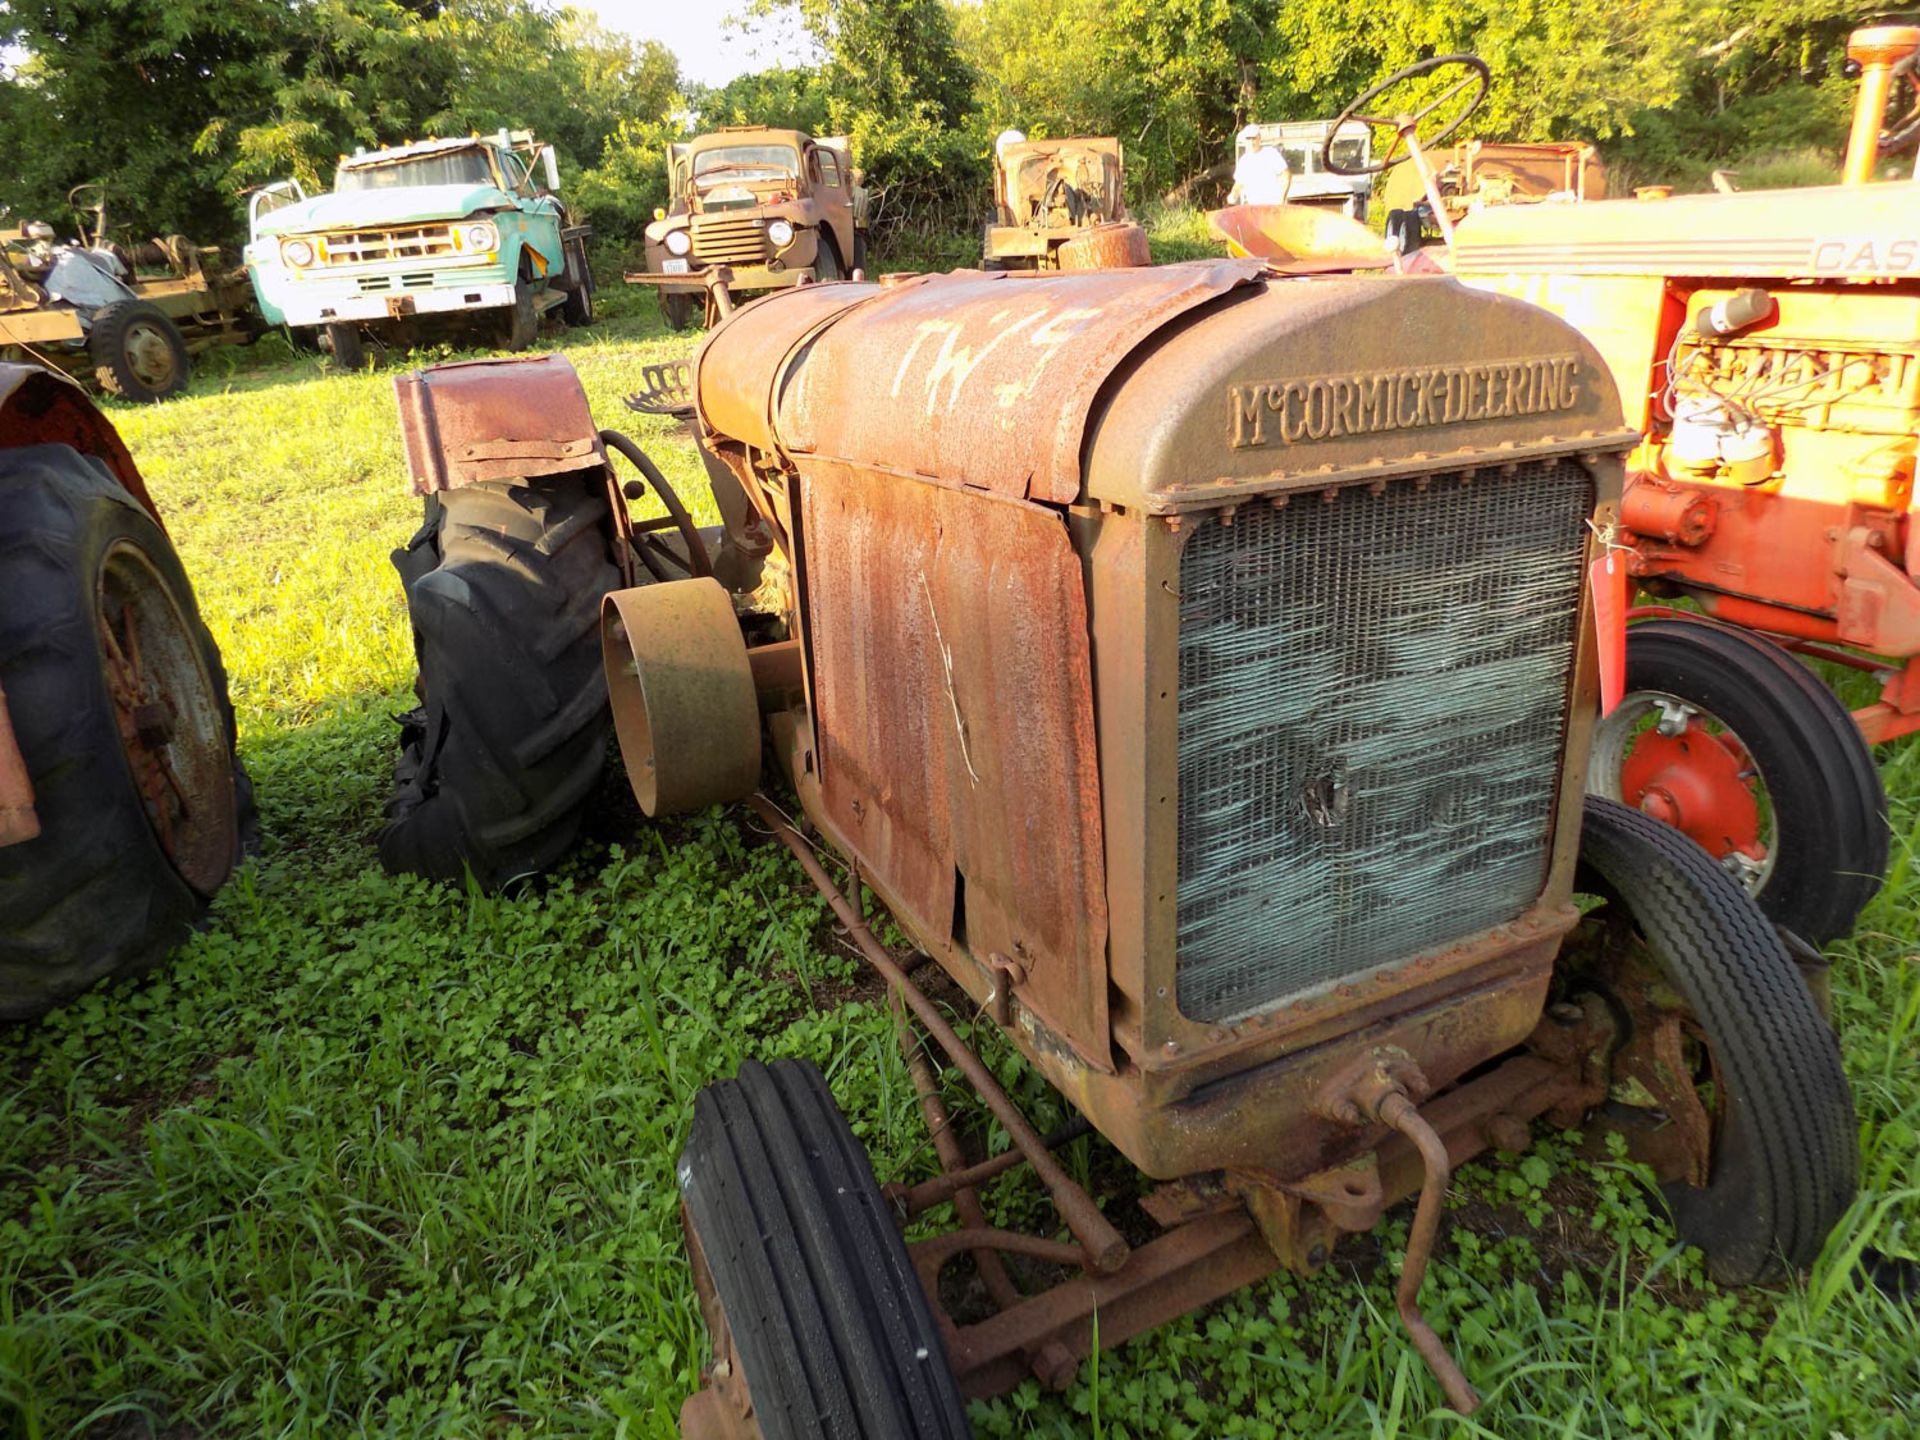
column 372, row 1156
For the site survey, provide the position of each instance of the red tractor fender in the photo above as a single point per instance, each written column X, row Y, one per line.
column 42, row 407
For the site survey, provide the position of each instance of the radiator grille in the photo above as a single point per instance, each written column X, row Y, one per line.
column 1372, row 707
column 718, row 240
column 379, row 246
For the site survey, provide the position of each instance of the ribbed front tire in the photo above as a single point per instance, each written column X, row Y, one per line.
column 1785, row 1158
column 836, row 1339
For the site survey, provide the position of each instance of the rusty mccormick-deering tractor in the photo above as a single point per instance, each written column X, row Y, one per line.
column 1206, row 687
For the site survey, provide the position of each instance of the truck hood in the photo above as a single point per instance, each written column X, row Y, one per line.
column 413, row 203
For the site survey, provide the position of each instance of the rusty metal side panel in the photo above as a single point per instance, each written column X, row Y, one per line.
column 953, row 689
column 985, row 379
column 18, row 821
column 481, row 420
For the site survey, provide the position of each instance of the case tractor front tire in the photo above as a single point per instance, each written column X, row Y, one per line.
column 1729, row 738
column 504, row 584
column 119, row 705
column 137, row 352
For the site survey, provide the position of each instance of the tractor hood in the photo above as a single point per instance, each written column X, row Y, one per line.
column 352, row 209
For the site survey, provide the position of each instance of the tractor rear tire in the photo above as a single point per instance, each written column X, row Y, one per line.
column 99, row 892
column 1827, row 806
column 835, row 1337
column 1785, row 1158
column 497, row 763
column 137, row 352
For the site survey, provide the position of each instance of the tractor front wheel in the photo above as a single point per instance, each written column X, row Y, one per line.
column 497, row 762
column 1726, row 1078
column 119, row 704
column 1728, row 738
column 819, row 1324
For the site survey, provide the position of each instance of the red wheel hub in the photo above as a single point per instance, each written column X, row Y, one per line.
column 1699, row 783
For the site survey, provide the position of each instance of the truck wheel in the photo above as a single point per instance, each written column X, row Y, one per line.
column 826, row 258
column 348, row 347
column 1729, row 738
column 1766, row 1068
column 522, row 326
column 798, row 1261
column 578, row 309
column 119, row 704
column 503, row 584
column 678, row 309
column 137, row 352
column 860, row 250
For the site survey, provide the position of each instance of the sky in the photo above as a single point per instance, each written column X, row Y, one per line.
column 711, row 51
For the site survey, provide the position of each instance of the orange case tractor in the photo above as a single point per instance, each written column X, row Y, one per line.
column 1767, row 345
column 1775, row 486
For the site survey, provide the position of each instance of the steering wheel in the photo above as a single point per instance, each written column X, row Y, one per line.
column 1404, row 126
column 662, row 560
column 1904, row 131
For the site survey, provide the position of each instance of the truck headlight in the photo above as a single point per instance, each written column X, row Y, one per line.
column 780, row 232
column 480, row 236
column 297, row 253
column 678, row 242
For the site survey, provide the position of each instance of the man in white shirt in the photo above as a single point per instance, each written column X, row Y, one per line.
column 1261, row 175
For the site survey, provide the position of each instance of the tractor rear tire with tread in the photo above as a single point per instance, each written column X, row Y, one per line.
column 94, row 894
column 835, row 1337
column 503, row 583
column 1785, row 1157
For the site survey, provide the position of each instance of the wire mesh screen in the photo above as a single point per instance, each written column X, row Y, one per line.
column 1373, row 694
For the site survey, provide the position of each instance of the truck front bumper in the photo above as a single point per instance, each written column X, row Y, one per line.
column 325, row 309
column 745, row 277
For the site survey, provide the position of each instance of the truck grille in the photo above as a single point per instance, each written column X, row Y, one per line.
column 368, row 247
column 1373, row 696
column 722, row 240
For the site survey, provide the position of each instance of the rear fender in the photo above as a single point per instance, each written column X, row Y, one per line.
column 41, row 407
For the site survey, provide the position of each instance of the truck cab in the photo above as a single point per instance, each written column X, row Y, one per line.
column 1303, row 142
column 776, row 207
column 444, row 232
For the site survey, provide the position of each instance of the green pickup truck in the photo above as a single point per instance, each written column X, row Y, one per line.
column 423, row 238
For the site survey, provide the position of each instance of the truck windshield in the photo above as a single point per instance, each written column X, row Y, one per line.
column 1351, row 153
column 456, row 167
column 745, row 162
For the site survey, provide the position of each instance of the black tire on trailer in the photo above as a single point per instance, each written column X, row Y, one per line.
column 347, row 346
column 137, row 352
column 503, row 583
column 834, row 1335
column 1821, row 790
column 578, row 308
column 1785, row 1158
column 102, row 890
column 678, row 310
